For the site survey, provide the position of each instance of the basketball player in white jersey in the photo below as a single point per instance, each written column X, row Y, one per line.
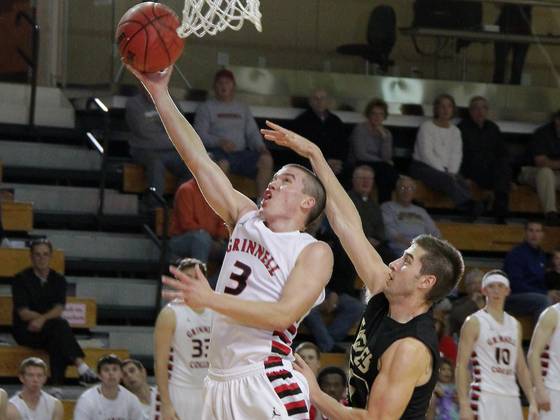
column 135, row 379
column 32, row 403
column 108, row 400
column 544, row 363
column 491, row 342
column 181, row 341
column 272, row 275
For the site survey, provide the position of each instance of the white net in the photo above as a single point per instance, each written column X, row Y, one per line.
column 201, row 17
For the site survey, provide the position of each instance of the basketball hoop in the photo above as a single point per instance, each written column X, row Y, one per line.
column 201, row 17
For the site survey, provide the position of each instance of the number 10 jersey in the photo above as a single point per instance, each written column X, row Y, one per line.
column 494, row 356
column 256, row 267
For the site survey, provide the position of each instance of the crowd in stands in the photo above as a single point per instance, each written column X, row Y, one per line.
column 447, row 158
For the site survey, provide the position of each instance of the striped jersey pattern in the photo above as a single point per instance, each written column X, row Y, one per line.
column 286, row 387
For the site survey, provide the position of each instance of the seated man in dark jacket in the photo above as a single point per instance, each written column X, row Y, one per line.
column 525, row 267
column 485, row 156
column 39, row 295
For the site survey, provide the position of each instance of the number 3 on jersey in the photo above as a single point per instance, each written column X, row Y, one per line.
column 240, row 278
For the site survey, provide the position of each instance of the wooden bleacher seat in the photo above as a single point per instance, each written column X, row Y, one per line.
column 68, row 409
column 11, row 357
column 523, row 199
column 17, row 216
column 333, row 359
column 15, row 260
column 492, row 238
column 134, row 179
column 80, row 312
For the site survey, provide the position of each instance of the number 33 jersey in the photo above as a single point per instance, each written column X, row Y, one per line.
column 494, row 355
column 188, row 355
column 256, row 267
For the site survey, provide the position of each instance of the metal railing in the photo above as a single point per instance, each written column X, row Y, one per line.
column 33, row 61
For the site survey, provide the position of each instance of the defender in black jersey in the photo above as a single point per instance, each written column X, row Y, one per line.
column 394, row 358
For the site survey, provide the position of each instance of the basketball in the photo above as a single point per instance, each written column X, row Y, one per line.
column 147, row 37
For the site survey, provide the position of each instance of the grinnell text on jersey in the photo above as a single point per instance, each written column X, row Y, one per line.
column 257, row 250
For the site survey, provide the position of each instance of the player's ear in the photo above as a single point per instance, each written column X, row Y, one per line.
column 427, row 281
column 308, row 202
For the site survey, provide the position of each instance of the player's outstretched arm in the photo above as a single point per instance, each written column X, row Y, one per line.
column 305, row 284
column 228, row 203
column 163, row 334
column 469, row 335
column 341, row 212
column 524, row 377
column 548, row 322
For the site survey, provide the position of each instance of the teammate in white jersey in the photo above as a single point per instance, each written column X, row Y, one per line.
column 135, row 379
column 32, row 403
column 109, row 400
column 544, row 363
column 272, row 275
column 491, row 342
column 181, row 341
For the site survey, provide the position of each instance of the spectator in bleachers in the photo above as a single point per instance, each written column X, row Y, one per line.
column 32, row 402
column 311, row 354
column 525, row 266
column 469, row 304
column 544, row 152
column 332, row 381
column 230, row 134
column 108, row 400
column 485, row 155
column 437, row 157
column 324, row 129
column 135, row 379
column 552, row 277
column 446, row 393
column 363, row 178
column 39, row 295
column 150, row 146
column 404, row 220
column 372, row 144
column 195, row 229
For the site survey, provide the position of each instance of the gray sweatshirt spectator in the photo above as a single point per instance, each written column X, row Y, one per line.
column 217, row 120
column 404, row 220
column 369, row 145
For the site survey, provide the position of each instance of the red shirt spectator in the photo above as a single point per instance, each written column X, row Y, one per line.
column 192, row 212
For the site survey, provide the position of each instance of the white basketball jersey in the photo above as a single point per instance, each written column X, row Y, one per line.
column 256, row 267
column 550, row 359
column 43, row 411
column 494, row 355
column 152, row 410
column 188, row 356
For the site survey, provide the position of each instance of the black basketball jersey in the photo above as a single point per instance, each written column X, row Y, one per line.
column 376, row 333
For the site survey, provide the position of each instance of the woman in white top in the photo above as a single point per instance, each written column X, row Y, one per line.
column 32, row 403
column 437, row 157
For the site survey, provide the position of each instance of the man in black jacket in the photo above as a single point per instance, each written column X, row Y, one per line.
column 324, row 129
column 39, row 295
column 485, row 156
